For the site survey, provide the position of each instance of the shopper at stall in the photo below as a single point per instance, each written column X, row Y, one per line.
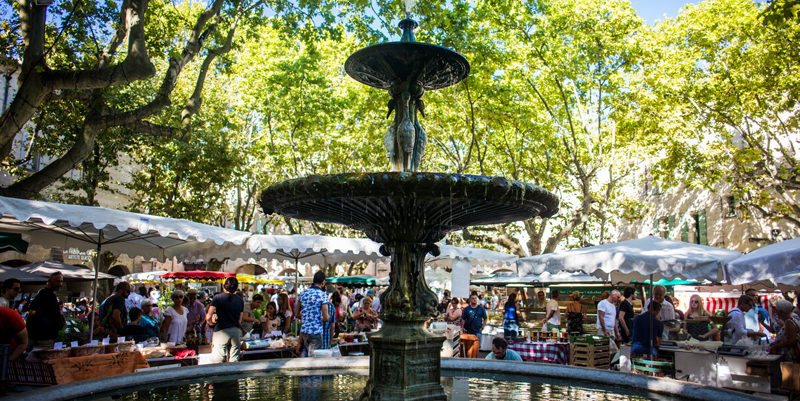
column 576, row 314
column 10, row 289
column 13, row 332
column 135, row 298
column 473, row 319
column 698, row 330
column 642, row 337
column 271, row 321
column 626, row 313
column 500, row 351
column 736, row 330
column 45, row 319
column 786, row 340
column 134, row 330
column 453, row 314
column 552, row 320
column 150, row 323
column 511, row 317
column 329, row 326
column 196, row 309
column 225, row 314
column 175, row 320
column 114, row 312
column 667, row 313
column 607, row 317
column 248, row 317
column 365, row 318
column 285, row 313
column 312, row 307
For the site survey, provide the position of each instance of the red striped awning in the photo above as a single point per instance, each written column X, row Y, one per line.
column 197, row 275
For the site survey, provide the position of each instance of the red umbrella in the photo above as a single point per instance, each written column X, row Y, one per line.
column 197, row 275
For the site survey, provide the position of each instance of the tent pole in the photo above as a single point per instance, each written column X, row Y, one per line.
column 652, row 345
column 94, row 285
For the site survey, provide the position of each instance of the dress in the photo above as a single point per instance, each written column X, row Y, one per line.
column 574, row 320
column 697, row 329
column 510, row 325
column 177, row 326
column 788, row 354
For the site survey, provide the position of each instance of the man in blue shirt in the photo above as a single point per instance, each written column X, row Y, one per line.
column 472, row 321
column 313, row 309
column 642, row 337
column 500, row 351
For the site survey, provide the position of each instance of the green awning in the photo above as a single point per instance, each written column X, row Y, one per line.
column 354, row 280
column 669, row 283
column 12, row 242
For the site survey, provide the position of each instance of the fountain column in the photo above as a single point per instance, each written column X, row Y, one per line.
column 405, row 363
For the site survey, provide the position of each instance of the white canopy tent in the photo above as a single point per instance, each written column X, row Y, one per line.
column 778, row 262
column 462, row 260
column 45, row 268
column 640, row 259
column 143, row 277
column 314, row 249
column 120, row 232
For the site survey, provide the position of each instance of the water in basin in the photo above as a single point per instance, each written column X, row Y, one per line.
column 273, row 386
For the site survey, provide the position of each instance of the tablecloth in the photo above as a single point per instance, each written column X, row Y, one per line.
column 540, row 351
column 89, row 367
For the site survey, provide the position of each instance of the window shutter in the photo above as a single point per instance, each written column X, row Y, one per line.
column 670, row 226
column 703, row 225
column 655, row 232
column 684, row 228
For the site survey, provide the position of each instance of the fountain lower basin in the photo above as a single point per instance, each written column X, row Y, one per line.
column 523, row 372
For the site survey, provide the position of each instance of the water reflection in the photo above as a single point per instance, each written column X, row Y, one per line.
column 349, row 387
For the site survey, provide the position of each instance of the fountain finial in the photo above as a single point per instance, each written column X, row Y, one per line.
column 408, row 26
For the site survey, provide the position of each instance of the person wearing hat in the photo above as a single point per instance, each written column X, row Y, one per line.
column 197, row 311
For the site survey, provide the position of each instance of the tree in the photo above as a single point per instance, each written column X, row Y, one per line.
column 85, row 62
column 732, row 94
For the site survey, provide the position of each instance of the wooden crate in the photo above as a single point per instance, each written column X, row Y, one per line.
column 589, row 339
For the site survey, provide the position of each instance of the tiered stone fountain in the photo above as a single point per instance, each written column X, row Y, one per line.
column 407, row 211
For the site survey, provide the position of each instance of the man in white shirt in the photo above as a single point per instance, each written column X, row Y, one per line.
column 736, row 330
column 607, row 316
column 553, row 319
column 667, row 311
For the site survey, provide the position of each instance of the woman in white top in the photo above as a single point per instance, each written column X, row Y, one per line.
column 174, row 326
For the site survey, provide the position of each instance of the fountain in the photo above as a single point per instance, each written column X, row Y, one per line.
column 407, row 211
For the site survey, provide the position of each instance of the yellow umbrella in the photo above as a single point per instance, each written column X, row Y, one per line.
column 251, row 279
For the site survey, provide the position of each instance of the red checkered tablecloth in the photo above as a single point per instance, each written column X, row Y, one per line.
column 556, row 353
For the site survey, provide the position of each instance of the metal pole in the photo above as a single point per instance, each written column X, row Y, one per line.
column 94, row 285
column 652, row 345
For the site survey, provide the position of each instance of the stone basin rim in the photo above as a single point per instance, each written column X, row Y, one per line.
column 360, row 366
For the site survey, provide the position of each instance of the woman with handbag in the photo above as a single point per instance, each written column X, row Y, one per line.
column 787, row 341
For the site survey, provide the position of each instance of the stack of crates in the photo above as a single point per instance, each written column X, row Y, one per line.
column 589, row 351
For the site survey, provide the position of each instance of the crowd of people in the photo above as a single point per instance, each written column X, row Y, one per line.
column 322, row 311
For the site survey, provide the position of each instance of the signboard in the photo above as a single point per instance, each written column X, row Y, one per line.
column 76, row 254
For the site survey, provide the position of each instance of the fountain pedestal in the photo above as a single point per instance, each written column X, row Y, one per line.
column 405, row 364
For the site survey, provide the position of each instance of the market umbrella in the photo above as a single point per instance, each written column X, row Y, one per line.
column 260, row 279
column 45, row 268
column 12, row 242
column 143, row 277
column 646, row 258
column 779, row 262
column 355, row 281
column 25, row 277
column 640, row 259
column 199, row 275
column 462, row 260
column 314, row 249
column 134, row 234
